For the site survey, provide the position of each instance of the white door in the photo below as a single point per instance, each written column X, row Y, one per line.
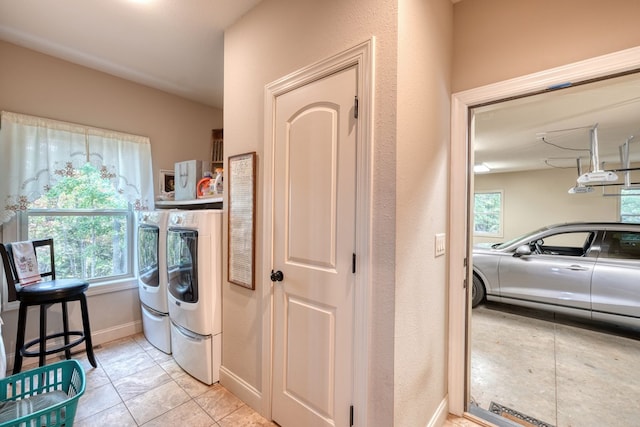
column 314, row 240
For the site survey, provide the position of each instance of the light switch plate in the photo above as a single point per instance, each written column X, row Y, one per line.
column 441, row 239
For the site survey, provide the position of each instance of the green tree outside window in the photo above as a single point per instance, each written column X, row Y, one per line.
column 89, row 222
column 487, row 210
column 630, row 205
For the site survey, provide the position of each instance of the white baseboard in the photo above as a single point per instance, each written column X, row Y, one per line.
column 120, row 331
column 97, row 338
column 440, row 416
column 241, row 389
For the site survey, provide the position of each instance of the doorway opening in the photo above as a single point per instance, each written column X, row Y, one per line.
column 462, row 188
column 539, row 348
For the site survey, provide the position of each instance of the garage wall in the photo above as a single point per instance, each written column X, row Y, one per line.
column 535, row 199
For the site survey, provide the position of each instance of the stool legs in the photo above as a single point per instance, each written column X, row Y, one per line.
column 65, row 326
column 43, row 334
column 87, row 330
column 42, row 341
column 22, row 324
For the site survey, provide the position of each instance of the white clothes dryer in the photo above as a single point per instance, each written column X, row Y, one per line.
column 152, row 278
column 194, row 261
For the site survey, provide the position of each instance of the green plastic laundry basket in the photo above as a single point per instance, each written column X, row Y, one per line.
column 44, row 396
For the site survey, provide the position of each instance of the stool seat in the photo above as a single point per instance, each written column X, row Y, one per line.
column 51, row 291
column 44, row 293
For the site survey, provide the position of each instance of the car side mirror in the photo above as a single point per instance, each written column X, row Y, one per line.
column 522, row 251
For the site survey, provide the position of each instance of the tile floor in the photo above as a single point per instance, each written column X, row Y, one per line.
column 568, row 380
column 137, row 385
column 563, row 372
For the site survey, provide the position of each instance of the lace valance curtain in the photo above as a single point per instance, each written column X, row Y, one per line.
column 36, row 152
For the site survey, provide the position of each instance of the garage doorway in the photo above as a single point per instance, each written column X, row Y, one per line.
column 463, row 189
column 536, row 356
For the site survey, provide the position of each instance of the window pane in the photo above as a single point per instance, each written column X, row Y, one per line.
column 86, row 246
column 82, row 188
column 567, row 244
column 90, row 223
column 622, row 245
column 487, row 213
column 630, row 205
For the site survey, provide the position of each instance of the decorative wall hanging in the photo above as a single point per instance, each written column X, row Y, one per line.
column 241, row 224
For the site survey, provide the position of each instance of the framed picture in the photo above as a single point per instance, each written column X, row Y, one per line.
column 241, row 222
column 167, row 181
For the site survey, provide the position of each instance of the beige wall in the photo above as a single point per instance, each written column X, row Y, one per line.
column 273, row 40
column 409, row 182
column 424, row 69
column 495, row 40
column 538, row 198
column 40, row 85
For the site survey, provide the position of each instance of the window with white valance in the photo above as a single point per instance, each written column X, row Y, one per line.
column 76, row 184
column 37, row 152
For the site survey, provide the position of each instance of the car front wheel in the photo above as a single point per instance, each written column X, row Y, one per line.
column 477, row 292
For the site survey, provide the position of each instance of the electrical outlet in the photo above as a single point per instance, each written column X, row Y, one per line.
column 441, row 239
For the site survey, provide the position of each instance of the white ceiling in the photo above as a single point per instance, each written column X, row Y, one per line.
column 518, row 134
column 172, row 45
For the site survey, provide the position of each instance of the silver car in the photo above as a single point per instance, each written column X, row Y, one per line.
column 590, row 270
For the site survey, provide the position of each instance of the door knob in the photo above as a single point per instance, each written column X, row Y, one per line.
column 276, row 276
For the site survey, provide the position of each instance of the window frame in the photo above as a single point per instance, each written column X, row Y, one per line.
column 563, row 244
column 500, row 232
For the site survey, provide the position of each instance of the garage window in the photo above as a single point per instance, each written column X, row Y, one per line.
column 630, row 205
column 487, row 213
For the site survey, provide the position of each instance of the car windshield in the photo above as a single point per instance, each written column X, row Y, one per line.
column 522, row 237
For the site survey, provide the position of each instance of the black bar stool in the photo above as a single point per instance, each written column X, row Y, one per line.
column 44, row 294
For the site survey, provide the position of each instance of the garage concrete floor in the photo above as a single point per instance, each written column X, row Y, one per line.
column 556, row 370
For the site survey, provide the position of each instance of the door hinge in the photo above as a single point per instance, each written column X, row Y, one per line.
column 355, row 107
column 353, row 263
column 351, row 416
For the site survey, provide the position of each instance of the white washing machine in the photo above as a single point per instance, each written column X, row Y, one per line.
column 152, row 278
column 194, row 269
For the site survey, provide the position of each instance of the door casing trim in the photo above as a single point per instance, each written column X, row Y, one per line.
column 461, row 187
column 363, row 58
